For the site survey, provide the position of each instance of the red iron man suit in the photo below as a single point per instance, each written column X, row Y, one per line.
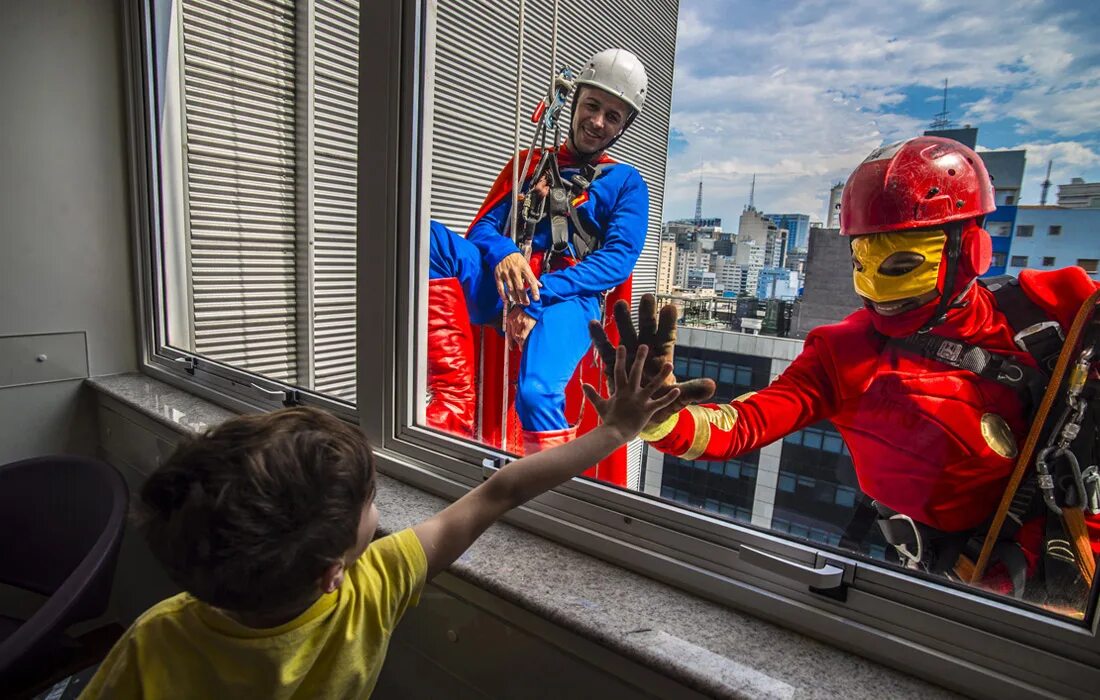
column 930, row 441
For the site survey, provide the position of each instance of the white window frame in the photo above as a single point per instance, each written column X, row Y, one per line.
column 957, row 637
column 217, row 381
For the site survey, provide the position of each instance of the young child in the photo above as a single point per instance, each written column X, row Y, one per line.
column 266, row 522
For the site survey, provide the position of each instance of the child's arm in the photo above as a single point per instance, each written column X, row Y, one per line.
column 448, row 534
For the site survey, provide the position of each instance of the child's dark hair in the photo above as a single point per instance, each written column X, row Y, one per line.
column 248, row 516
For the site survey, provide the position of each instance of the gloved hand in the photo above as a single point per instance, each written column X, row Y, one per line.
column 659, row 335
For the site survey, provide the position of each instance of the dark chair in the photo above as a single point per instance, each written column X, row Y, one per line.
column 61, row 521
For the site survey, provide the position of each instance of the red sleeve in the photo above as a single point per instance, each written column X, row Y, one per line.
column 1058, row 292
column 802, row 395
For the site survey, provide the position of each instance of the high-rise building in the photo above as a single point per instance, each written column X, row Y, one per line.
column 1079, row 194
column 760, row 244
column 798, row 228
column 666, row 265
column 832, row 215
column 687, row 262
column 1050, row 237
column 827, row 294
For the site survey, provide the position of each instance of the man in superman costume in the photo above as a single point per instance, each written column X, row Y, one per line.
column 550, row 299
column 933, row 443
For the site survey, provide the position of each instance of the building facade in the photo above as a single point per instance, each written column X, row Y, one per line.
column 1051, row 237
column 798, row 229
column 1079, row 194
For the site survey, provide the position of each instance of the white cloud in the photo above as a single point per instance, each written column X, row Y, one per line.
column 1069, row 159
column 800, row 93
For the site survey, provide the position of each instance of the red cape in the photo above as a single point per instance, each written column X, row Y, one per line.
column 498, row 414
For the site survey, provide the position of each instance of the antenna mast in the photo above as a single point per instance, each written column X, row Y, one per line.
column 941, row 120
column 1046, row 184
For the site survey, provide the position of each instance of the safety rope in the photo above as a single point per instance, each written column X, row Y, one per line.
column 1031, row 442
column 506, row 382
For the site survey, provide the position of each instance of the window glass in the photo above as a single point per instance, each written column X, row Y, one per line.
column 1048, row 262
column 731, row 251
column 1089, row 264
column 258, row 169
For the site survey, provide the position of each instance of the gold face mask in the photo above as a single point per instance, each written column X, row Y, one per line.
column 871, row 251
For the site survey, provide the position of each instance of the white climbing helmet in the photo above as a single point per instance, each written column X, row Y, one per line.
column 620, row 73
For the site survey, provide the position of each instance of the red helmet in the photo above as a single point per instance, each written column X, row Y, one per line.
column 925, row 181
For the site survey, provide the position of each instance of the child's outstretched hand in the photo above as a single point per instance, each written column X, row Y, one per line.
column 631, row 405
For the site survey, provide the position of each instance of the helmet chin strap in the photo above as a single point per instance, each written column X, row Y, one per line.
column 952, row 253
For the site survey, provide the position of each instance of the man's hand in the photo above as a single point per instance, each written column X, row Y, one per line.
column 517, row 326
column 659, row 336
column 631, row 405
column 513, row 274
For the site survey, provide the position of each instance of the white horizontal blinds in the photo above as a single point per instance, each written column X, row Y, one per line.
column 473, row 118
column 647, row 28
column 239, row 83
column 336, row 51
column 474, row 90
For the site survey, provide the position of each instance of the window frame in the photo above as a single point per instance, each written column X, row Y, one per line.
column 923, row 627
column 227, row 385
column 1014, row 261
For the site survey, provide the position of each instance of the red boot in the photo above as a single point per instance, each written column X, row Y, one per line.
column 537, row 441
column 452, row 404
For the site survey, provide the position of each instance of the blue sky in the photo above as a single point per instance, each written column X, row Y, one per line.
column 799, row 91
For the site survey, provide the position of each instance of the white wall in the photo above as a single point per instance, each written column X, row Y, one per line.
column 64, row 240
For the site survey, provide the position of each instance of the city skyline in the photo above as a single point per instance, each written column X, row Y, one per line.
column 803, row 94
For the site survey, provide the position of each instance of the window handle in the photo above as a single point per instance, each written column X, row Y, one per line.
column 826, row 577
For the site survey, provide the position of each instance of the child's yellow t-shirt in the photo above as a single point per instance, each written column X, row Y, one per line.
column 183, row 648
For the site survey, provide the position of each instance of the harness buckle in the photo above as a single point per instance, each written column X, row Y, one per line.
column 1021, row 338
column 912, row 559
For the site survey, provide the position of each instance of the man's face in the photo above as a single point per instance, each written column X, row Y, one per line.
column 598, row 117
column 898, row 271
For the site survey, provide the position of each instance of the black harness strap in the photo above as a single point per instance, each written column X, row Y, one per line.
column 560, row 207
column 1035, row 332
column 1026, row 381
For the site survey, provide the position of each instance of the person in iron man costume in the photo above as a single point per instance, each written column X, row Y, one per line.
column 928, row 441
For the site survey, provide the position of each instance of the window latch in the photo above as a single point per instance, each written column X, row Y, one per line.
column 822, row 579
column 490, row 465
column 288, row 397
column 190, row 364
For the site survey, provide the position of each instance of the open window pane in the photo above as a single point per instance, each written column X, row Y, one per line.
column 256, row 122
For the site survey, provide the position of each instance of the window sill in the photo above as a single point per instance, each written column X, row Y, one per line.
column 712, row 649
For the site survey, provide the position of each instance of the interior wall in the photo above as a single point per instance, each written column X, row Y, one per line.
column 65, row 260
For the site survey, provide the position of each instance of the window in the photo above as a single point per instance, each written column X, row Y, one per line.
column 1055, row 230
column 1019, row 261
column 998, row 259
column 1025, row 230
column 1010, row 199
column 257, row 267
column 266, row 163
column 1000, row 228
column 1089, row 264
column 1048, row 262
